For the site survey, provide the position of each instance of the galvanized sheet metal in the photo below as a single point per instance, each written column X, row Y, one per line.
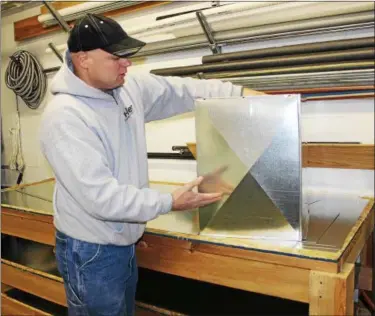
column 258, row 140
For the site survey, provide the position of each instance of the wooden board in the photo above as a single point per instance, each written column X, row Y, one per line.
column 32, row 281
column 332, row 294
column 30, row 27
column 231, row 252
column 58, row 5
column 27, row 225
column 46, row 235
column 265, row 278
column 365, row 279
column 344, row 156
column 11, row 307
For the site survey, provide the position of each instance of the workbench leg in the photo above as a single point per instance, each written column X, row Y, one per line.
column 332, row 293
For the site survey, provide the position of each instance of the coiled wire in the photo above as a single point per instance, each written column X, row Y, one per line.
column 25, row 76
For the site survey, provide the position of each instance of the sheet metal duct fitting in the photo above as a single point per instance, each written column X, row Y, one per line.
column 359, row 64
column 293, row 49
column 284, row 29
column 347, row 55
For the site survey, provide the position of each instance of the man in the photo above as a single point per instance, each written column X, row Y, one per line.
column 93, row 136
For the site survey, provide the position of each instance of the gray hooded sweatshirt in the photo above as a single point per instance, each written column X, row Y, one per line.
column 95, row 143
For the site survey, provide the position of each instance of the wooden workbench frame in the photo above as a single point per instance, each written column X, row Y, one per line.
column 327, row 285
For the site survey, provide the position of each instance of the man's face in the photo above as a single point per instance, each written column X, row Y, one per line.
column 104, row 70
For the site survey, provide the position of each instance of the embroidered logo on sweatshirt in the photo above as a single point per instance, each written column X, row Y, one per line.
column 128, row 112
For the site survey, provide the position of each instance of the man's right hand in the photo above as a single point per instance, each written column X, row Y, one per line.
column 185, row 199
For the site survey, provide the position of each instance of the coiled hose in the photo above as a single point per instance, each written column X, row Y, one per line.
column 26, row 78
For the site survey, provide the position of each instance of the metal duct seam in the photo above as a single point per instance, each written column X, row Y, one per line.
column 277, row 61
column 293, row 49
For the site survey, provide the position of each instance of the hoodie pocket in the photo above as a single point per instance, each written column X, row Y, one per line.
column 118, row 227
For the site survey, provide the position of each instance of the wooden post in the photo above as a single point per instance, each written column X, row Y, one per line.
column 332, row 293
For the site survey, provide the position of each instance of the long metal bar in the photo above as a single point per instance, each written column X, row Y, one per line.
column 208, row 33
column 57, row 53
column 313, row 26
column 366, row 73
column 169, row 156
column 51, row 70
column 322, row 30
column 277, row 61
column 293, row 49
column 194, row 42
column 293, row 69
column 57, row 16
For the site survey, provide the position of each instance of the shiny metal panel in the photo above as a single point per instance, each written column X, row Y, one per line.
column 332, row 216
column 37, row 197
column 257, row 140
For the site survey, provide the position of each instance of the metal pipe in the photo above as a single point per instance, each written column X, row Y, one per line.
column 319, row 31
column 282, row 12
column 170, row 156
column 368, row 73
column 292, row 49
column 57, row 16
column 190, row 42
column 294, row 69
column 315, row 25
column 50, row 70
column 308, row 24
column 57, row 53
column 277, row 61
column 208, row 33
column 316, row 86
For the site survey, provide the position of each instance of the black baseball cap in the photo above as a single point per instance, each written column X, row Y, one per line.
column 95, row 31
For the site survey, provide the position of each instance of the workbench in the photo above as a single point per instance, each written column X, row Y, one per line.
column 322, row 278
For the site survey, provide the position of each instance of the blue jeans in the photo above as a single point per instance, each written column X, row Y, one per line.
column 98, row 279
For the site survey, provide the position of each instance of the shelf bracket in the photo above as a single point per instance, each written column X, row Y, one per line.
column 56, row 52
column 215, row 48
column 65, row 26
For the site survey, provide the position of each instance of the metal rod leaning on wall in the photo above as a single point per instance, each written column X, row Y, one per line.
column 293, row 49
column 292, row 60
